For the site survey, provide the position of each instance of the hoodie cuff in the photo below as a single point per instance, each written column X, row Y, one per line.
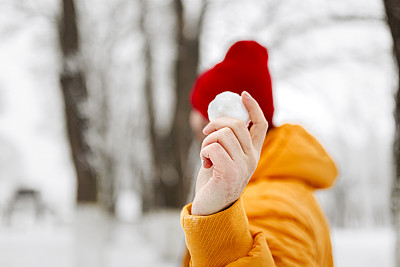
column 217, row 239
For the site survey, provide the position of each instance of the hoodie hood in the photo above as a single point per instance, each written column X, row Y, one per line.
column 289, row 152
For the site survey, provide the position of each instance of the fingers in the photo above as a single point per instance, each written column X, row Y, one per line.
column 238, row 127
column 260, row 125
column 217, row 155
column 228, row 141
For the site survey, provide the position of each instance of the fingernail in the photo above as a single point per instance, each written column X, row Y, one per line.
column 246, row 94
column 205, row 129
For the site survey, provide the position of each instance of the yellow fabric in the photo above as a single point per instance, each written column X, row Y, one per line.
column 277, row 221
column 207, row 236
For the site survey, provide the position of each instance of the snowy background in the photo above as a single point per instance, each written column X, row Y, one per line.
column 332, row 72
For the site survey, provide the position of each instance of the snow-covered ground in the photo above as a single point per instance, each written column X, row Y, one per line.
column 93, row 239
column 363, row 247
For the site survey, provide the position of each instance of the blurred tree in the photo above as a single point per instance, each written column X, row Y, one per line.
column 170, row 151
column 392, row 8
column 72, row 80
column 148, row 196
column 110, row 58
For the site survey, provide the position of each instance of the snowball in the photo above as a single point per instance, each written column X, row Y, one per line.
column 230, row 105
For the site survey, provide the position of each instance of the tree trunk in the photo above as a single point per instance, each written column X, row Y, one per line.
column 181, row 135
column 392, row 8
column 148, row 192
column 73, row 86
column 171, row 151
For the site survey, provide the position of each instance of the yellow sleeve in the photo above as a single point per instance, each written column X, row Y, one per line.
column 224, row 239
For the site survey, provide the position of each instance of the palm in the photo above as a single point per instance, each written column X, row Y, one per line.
column 203, row 177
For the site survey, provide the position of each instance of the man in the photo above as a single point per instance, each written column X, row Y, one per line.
column 254, row 203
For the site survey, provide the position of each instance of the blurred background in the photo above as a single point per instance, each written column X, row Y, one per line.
column 97, row 157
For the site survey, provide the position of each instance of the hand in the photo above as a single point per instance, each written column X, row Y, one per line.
column 230, row 154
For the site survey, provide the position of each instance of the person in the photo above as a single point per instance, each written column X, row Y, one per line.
column 254, row 202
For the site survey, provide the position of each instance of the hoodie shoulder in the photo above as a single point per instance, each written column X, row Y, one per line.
column 290, row 152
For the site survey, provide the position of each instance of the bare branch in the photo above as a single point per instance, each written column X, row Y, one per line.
column 313, row 24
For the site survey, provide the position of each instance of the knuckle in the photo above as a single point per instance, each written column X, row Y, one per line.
column 226, row 132
column 215, row 146
column 265, row 123
column 263, row 126
column 206, row 141
column 238, row 123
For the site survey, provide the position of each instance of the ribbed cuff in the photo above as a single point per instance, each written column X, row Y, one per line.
column 217, row 239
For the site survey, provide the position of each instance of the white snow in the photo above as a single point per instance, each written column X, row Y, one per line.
column 128, row 206
column 228, row 104
column 363, row 247
column 94, row 239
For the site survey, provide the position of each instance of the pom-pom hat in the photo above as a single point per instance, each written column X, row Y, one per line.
column 244, row 68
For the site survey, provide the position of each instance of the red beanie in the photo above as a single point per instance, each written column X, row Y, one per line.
column 244, row 68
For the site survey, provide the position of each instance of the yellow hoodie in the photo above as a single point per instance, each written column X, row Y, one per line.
column 277, row 221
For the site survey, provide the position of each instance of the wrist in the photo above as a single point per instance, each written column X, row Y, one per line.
column 201, row 209
column 206, row 204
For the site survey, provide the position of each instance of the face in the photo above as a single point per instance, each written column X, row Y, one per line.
column 197, row 123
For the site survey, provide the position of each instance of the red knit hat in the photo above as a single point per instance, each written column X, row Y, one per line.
column 243, row 69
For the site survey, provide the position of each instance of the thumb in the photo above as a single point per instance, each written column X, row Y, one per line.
column 260, row 125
